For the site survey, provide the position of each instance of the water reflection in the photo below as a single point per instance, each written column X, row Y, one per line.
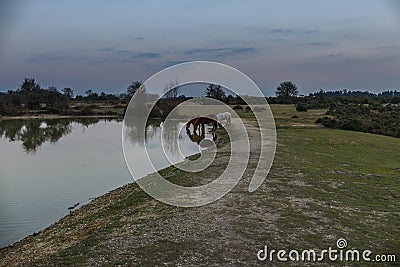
column 33, row 133
column 138, row 131
column 171, row 133
column 76, row 160
column 86, row 161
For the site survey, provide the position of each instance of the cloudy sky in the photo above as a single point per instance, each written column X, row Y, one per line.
column 104, row 45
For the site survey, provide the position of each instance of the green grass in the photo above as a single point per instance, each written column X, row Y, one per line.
column 287, row 116
column 339, row 183
column 329, row 184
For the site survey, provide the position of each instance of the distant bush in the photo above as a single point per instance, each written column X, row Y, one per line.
column 87, row 111
column 376, row 119
column 119, row 106
column 258, row 109
column 395, row 100
column 248, row 109
column 237, row 107
column 107, row 113
column 93, row 106
column 301, row 107
column 295, row 117
column 53, row 110
column 9, row 110
column 327, row 122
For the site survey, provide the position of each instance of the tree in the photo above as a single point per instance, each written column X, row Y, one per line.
column 68, row 92
column 215, row 91
column 88, row 92
column 29, row 85
column 172, row 89
column 131, row 90
column 52, row 89
column 286, row 90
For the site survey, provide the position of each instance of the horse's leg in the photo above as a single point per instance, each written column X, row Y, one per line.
column 188, row 125
column 214, row 135
column 202, row 135
column 197, row 122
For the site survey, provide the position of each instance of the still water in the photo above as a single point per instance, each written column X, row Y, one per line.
column 47, row 166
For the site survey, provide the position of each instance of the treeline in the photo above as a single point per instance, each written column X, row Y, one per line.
column 323, row 99
column 345, row 92
column 31, row 98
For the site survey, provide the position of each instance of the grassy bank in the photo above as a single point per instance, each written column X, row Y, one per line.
column 324, row 185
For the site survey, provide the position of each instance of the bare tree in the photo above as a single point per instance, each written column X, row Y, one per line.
column 171, row 89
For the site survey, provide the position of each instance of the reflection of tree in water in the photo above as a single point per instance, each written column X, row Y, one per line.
column 171, row 135
column 138, row 131
column 33, row 133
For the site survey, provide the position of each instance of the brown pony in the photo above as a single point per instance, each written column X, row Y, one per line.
column 201, row 121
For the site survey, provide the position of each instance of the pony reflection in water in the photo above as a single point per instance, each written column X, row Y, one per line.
column 199, row 131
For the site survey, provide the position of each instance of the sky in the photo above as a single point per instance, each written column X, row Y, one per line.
column 104, row 45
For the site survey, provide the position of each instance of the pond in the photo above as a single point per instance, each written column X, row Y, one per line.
column 47, row 166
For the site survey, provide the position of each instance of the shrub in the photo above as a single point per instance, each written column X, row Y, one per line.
column 87, row 111
column 93, row 106
column 118, row 106
column 327, row 122
column 237, row 107
column 258, row 109
column 301, row 107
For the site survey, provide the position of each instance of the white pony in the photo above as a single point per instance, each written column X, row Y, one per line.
column 226, row 116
